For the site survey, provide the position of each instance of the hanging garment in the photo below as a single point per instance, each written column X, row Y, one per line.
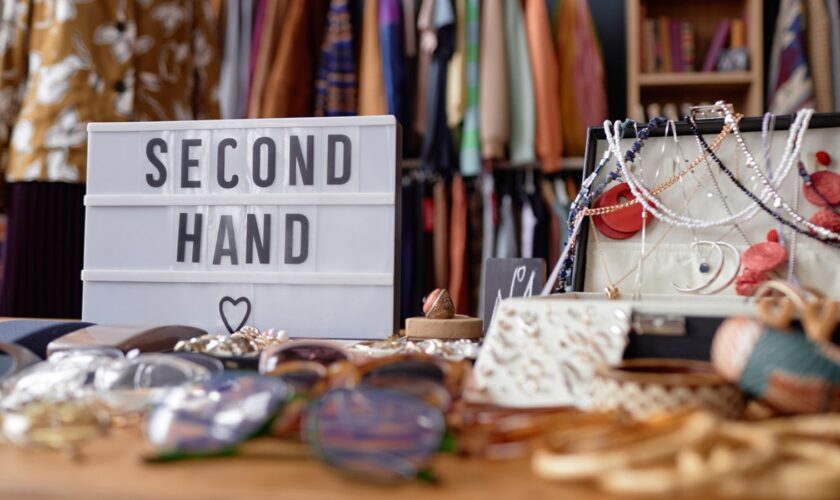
column 819, row 54
column 488, row 229
column 520, row 86
column 583, row 100
column 561, row 208
column 393, row 55
column 470, row 138
column 229, row 74
column 243, row 66
column 409, row 27
column 426, row 269
column 256, row 39
column 438, row 150
column 441, row 234
column 834, row 31
column 410, row 206
column 290, row 89
column 475, row 247
column 549, row 141
column 528, row 224
column 96, row 62
column 275, row 13
column 372, row 99
column 506, row 236
column 542, row 228
column 335, row 87
column 456, row 85
column 493, row 85
column 44, row 253
column 428, row 43
column 458, row 247
column 790, row 87
column 99, row 62
column 555, row 235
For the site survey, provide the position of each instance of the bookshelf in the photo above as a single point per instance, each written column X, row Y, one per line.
column 744, row 88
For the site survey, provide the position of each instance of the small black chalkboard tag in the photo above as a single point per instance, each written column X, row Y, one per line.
column 505, row 278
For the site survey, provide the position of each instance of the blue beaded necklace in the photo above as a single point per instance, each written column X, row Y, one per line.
column 587, row 195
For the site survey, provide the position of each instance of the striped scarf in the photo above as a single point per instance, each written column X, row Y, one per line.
column 336, row 84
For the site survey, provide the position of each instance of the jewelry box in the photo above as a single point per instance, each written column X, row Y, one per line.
column 679, row 322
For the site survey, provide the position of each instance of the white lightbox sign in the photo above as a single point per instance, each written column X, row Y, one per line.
column 279, row 223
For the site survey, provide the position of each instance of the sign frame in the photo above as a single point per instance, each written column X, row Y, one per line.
column 96, row 199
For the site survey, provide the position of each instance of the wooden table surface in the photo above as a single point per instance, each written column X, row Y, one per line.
column 112, row 468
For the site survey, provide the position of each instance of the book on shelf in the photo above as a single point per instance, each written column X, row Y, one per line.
column 666, row 45
column 687, row 45
column 717, row 45
column 663, row 42
column 652, row 57
column 676, row 45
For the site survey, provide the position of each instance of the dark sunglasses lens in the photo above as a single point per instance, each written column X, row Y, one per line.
column 377, row 434
column 322, row 354
column 404, row 371
column 302, row 381
column 214, row 416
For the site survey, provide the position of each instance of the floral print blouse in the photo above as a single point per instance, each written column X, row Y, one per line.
column 65, row 63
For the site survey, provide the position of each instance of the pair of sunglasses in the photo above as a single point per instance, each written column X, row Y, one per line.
column 372, row 433
column 312, row 367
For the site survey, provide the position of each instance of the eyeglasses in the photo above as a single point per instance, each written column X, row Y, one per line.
column 437, row 381
column 104, row 373
column 66, row 375
column 134, row 383
column 213, row 417
column 303, row 364
column 379, row 434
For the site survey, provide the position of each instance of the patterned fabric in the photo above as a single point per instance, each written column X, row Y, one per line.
column 335, row 87
column 790, row 86
column 64, row 64
column 393, row 55
column 470, row 143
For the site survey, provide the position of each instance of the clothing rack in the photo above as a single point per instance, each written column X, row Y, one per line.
column 570, row 164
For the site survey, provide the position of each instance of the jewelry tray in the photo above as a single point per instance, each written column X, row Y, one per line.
column 673, row 260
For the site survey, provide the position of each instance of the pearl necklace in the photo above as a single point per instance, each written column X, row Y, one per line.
column 760, row 203
column 662, row 212
column 777, row 198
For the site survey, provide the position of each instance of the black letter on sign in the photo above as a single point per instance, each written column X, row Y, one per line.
column 304, row 238
column 187, row 163
column 272, row 160
column 225, row 232
column 150, row 154
column 332, row 140
column 252, row 239
column 184, row 237
column 220, row 173
column 296, row 160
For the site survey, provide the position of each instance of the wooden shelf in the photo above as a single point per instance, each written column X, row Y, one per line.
column 696, row 78
column 743, row 89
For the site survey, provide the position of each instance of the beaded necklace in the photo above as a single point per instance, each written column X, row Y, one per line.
column 557, row 282
column 763, row 206
column 777, row 198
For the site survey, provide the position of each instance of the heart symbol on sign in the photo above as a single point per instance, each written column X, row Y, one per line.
column 234, row 303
